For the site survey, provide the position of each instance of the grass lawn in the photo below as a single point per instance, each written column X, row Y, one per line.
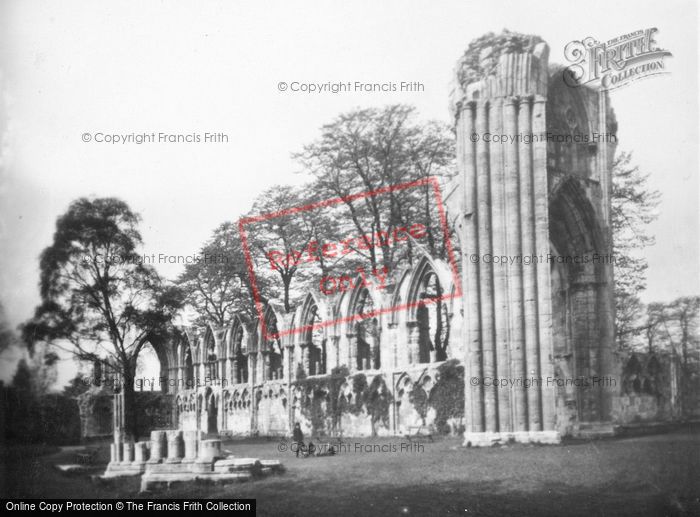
column 652, row 475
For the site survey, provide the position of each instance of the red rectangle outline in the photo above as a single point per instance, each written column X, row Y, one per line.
column 334, row 201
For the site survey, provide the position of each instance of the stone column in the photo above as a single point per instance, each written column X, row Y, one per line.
column 209, row 450
column 335, row 340
column 483, row 185
column 128, row 448
column 544, row 287
column 175, row 447
column 530, row 309
column 413, row 344
column 515, row 269
column 141, row 452
column 499, row 226
column 352, row 351
column 116, row 451
column 392, row 353
column 159, row 446
column 474, row 417
column 191, row 441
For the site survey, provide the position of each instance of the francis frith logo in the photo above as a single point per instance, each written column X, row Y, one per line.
column 616, row 62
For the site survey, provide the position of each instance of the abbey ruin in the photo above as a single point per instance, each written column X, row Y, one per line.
column 525, row 352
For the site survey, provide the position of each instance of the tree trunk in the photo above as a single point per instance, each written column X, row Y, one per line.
column 287, row 281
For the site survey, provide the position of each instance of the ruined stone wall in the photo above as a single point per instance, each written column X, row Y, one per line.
column 96, row 412
column 532, row 192
column 650, row 389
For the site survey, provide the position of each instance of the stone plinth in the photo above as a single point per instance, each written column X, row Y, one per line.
column 238, row 464
column 202, row 466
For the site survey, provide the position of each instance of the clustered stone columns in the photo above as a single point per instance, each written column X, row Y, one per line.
column 168, row 448
column 505, row 200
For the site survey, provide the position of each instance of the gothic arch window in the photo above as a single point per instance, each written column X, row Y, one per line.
column 189, row 369
column 567, row 118
column 197, row 359
column 431, row 332
column 367, row 336
column 313, row 343
column 210, row 356
column 239, row 353
column 272, row 350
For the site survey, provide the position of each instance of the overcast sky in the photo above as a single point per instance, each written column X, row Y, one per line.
column 192, row 67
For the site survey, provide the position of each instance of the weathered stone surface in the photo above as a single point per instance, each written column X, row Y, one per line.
column 175, row 446
column 237, row 464
column 141, row 452
column 159, row 446
column 209, row 450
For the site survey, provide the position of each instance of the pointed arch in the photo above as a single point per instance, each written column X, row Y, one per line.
column 399, row 297
column 365, row 328
column 313, row 339
column 578, row 285
column 237, row 346
column 210, row 353
column 270, row 343
column 429, row 310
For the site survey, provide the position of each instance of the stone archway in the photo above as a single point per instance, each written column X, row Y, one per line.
column 579, row 288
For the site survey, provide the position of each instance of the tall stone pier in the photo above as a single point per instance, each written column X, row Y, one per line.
column 531, row 196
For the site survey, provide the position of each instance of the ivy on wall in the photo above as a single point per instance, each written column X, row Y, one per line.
column 419, row 398
column 317, row 390
column 374, row 398
column 377, row 401
column 323, row 404
column 446, row 396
